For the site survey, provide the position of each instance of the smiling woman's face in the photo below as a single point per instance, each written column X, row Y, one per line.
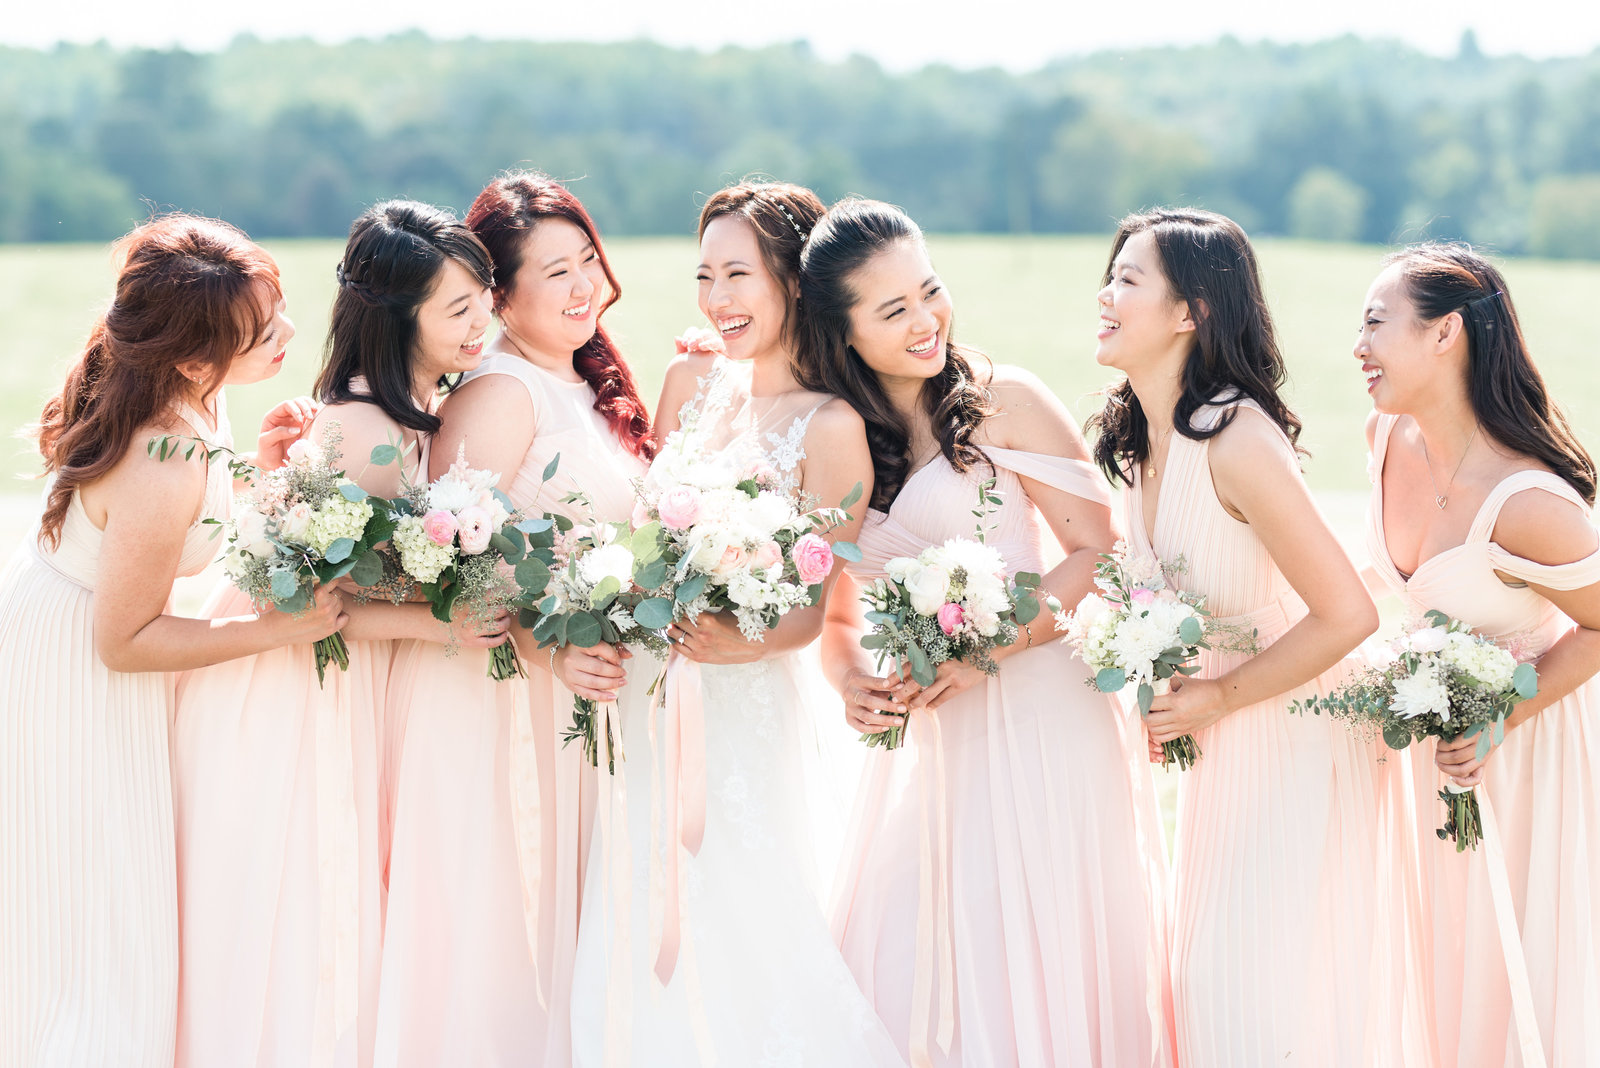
column 900, row 321
column 451, row 324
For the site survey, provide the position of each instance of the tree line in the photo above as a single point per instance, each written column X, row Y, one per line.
column 1345, row 140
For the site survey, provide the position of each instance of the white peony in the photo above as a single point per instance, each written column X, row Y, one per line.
column 606, row 561
column 1421, row 694
column 1428, row 639
column 769, row 512
column 900, row 568
column 928, row 587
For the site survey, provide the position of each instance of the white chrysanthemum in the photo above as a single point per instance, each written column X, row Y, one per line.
column 422, row 558
column 1138, row 642
column 974, row 557
column 337, row 518
column 606, row 561
column 1421, row 694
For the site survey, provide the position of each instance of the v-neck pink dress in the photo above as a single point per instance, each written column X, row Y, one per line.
column 1274, row 899
column 1543, row 783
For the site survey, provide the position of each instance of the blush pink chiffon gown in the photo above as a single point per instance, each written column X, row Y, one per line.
column 277, row 782
column 1276, row 908
column 1018, row 824
column 1541, row 788
column 88, row 900
column 492, row 812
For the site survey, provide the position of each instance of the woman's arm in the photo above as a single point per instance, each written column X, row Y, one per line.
column 149, row 506
column 1258, row 480
column 678, row 388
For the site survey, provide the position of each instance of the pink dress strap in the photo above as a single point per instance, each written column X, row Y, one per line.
column 1572, row 575
column 1077, row 477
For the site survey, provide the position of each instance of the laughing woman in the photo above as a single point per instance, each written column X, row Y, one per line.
column 1274, row 896
column 278, row 775
column 1482, row 503
column 491, row 811
column 1039, row 913
column 88, row 909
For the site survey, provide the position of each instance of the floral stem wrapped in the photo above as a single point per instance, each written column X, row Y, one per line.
column 950, row 602
column 298, row 527
column 1139, row 630
column 1443, row 682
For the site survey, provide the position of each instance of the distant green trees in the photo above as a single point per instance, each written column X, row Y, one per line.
column 1343, row 140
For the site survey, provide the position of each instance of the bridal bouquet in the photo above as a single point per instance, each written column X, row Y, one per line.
column 727, row 539
column 459, row 539
column 950, row 602
column 1139, row 630
column 299, row 527
column 584, row 593
column 1444, row 682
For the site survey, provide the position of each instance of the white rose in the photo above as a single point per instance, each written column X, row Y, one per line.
column 708, row 546
column 606, row 561
column 250, row 533
column 294, row 521
column 928, row 587
column 900, row 568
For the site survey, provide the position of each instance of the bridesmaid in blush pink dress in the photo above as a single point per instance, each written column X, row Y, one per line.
column 1276, row 907
column 1002, row 893
column 88, row 905
column 1481, row 508
column 278, row 777
column 491, row 810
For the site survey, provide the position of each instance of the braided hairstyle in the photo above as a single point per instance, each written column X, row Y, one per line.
column 391, row 265
column 188, row 289
column 503, row 216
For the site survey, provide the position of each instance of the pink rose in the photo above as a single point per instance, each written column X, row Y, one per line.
column 679, row 507
column 1142, row 596
column 733, row 559
column 950, row 617
column 769, row 555
column 813, row 558
column 474, row 528
column 440, row 526
column 700, row 339
column 641, row 514
column 762, row 473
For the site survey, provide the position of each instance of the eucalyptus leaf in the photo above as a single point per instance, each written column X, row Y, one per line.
column 1110, row 680
column 284, row 583
column 367, row 569
column 1027, row 609
column 921, row 670
column 1396, row 736
column 1146, row 693
column 653, row 613
column 691, row 589
column 1190, row 631
column 649, row 575
column 530, row 572
column 583, row 630
column 535, row 526
column 1526, row 681
column 850, row 498
column 382, row 455
column 339, row 549
column 550, row 468
column 847, row 550
column 352, row 492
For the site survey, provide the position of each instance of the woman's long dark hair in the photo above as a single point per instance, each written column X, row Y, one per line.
column 391, row 265
column 1508, row 395
column 188, row 289
column 503, row 216
column 1210, row 266
column 851, row 234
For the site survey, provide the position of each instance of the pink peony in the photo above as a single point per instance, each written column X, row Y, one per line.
column 813, row 558
column 474, row 529
column 700, row 339
column 950, row 617
column 440, row 526
column 762, row 473
column 679, row 507
column 769, row 555
column 1142, row 596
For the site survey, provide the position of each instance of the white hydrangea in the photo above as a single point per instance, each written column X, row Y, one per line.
column 1488, row 663
column 422, row 558
column 1422, row 693
column 337, row 518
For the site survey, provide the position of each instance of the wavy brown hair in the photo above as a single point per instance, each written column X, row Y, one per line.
column 503, row 216
column 849, row 236
column 783, row 215
column 1209, row 266
column 188, row 289
column 1507, row 392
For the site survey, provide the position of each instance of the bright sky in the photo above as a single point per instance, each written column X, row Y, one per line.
column 899, row 34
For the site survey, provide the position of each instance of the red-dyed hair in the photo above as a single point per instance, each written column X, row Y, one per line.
column 188, row 289
column 503, row 216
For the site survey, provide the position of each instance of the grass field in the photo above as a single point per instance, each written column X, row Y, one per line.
column 1027, row 300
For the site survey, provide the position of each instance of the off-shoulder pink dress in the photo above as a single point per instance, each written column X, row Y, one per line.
column 1275, row 902
column 1018, row 824
column 492, row 813
column 1541, row 788
column 88, row 899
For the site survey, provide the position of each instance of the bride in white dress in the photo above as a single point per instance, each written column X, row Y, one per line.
column 739, row 967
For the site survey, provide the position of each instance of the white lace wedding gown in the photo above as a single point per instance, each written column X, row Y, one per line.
column 758, row 981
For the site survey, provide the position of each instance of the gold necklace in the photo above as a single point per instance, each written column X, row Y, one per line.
column 1150, row 466
column 1441, row 499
